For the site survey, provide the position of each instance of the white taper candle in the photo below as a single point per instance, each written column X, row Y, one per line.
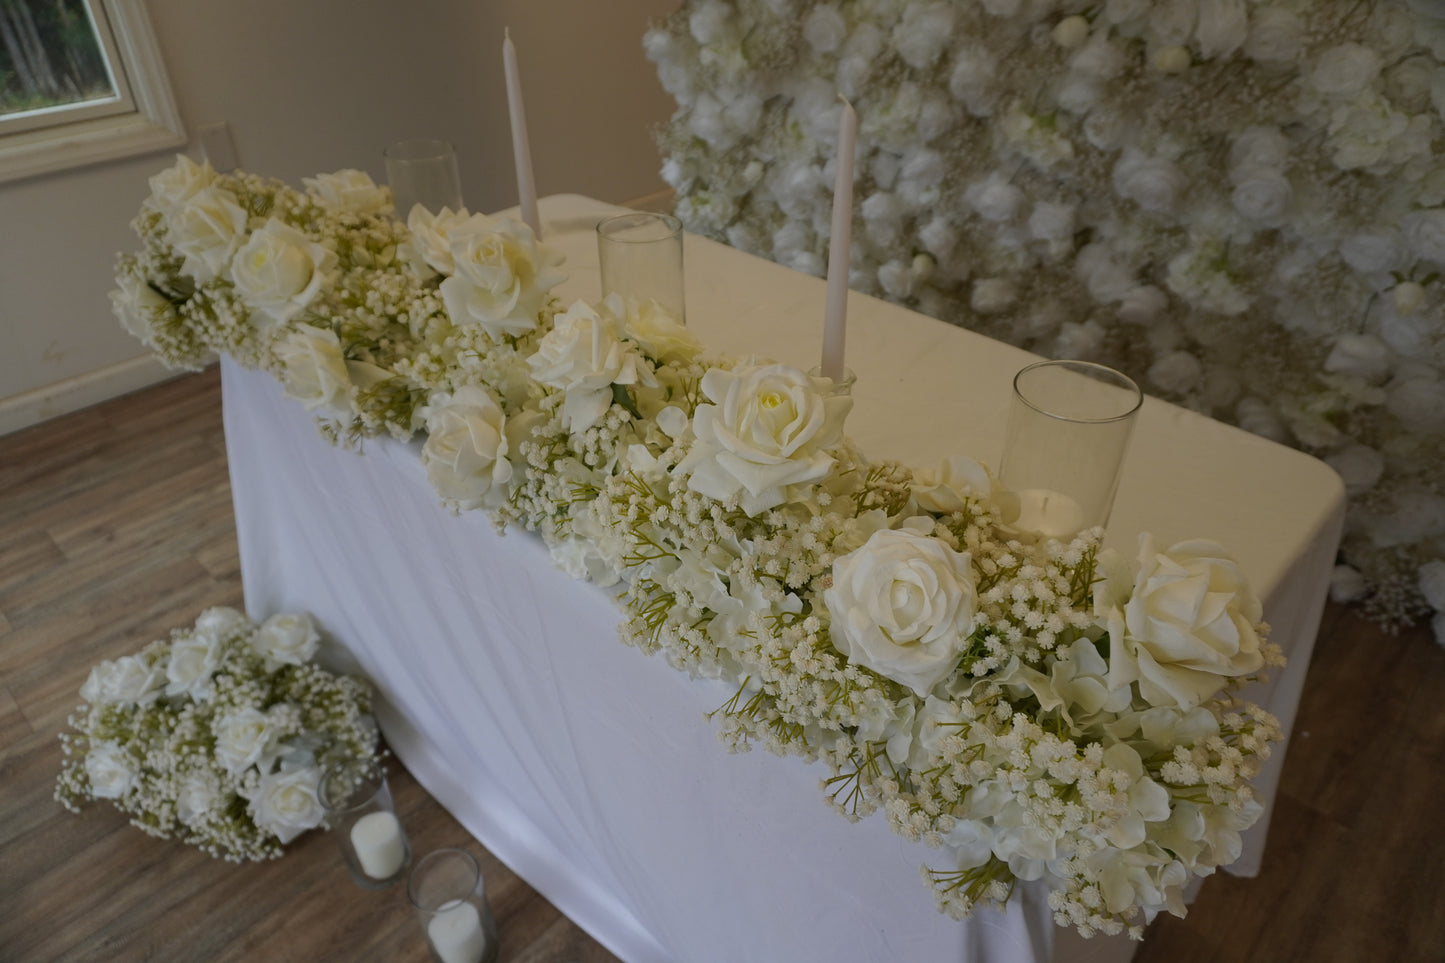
column 521, row 150
column 835, row 316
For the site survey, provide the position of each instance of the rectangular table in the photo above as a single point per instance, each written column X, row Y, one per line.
column 588, row 767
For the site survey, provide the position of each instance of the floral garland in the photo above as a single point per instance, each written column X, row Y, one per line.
column 217, row 735
column 1239, row 202
column 1037, row 709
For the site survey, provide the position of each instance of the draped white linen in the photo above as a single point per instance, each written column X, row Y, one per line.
column 588, row 767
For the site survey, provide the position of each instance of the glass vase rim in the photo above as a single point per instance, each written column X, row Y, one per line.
column 355, row 801
column 435, row 857
column 670, row 221
column 415, row 149
column 1087, row 368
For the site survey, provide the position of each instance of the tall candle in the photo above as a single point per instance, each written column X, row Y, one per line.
column 456, row 933
column 521, row 151
column 378, row 843
column 835, row 316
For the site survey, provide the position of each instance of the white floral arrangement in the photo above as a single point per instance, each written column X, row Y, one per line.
column 1239, row 202
column 217, row 735
column 1035, row 709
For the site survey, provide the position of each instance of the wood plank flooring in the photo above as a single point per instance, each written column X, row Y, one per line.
column 116, row 525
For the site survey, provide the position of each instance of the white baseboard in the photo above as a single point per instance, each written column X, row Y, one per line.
column 81, row 391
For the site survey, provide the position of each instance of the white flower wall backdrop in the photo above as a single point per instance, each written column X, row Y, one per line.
column 1241, row 203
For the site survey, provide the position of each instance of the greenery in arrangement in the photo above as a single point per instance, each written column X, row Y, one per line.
column 217, row 735
column 1034, row 709
column 1241, row 203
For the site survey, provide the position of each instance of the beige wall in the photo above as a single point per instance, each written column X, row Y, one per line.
column 315, row 85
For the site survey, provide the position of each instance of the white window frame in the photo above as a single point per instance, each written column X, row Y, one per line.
column 141, row 119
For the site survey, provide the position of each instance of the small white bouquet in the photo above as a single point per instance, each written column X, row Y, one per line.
column 217, row 736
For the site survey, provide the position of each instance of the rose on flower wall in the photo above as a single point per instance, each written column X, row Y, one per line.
column 1217, row 197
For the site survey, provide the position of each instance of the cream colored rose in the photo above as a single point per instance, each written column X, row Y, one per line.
column 287, row 638
column 1181, row 624
column 137, row 305
column 243, row 736
column 903, row 605
column 286, row 803
column 348, row 190
column 207, row 229
column 584, row 356
column 129, row 679
column 500, row 275
column 661, row 335
column 180, row 182
column 947, row 487
column 191, row 664
column 766, row 436
column 196, row 796
column 111, row 771
column 313, row 370
column 1153, row 183
column 430, row 249
column 279, row 270
column 219, row 621
column 466, row 448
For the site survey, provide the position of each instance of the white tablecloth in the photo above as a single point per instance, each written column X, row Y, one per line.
column 588, row 767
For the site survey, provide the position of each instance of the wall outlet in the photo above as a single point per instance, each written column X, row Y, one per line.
column 217, row 146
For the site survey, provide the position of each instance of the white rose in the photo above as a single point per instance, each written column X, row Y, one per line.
column 903, row 605
column 430, row 248
column 1182, row 624
column 1374, row 251
column 287, row 638
column 974, row 70
column 1362, row 355
column 219, row 621
column 207, row 230
column 1362, row 133
column 129, row 679
column 280, row 271
column 192, row 663
column 1347, row 585
column 500, row 277
column 1345, row 70
column 175, row 185
column 348, row 190
column 922, row 33
column 1425, row 232
column 825, row 29
column 466, row 448
column 286, row 803
column 1261, row 195
column 313, row 370
column 110, row 770
column 947, row 487
column 994, row 198
column 1257, row 146
column 137, row 305
column 196, row 796
column 584, row 356
column 1106, row 279
column 1432, row 583
column 1171, row 22
column 1179, row 372
column 1222, row 28
column 1151, row 182
column 992, row 295
column 765, row 436
column 1276, row 36
column 1141, row 304
column 1360, row 467
column 1125, row 11
column 1419, row 403
column 243, row 736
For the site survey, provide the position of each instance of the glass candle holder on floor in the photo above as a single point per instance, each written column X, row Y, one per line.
column 1069, row 425
column 361, row 817
column 449, row 896
column 640, row 257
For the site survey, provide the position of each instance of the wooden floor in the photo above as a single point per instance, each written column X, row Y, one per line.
column 115, row 526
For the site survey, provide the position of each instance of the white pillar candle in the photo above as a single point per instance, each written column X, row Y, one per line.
column 1049, row 513
column 456, row 933
column 378, row 843
column 521, row 150
column 835, row 314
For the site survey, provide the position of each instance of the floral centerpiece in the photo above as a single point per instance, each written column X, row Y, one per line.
column 1242, row 204
column 217, row 735
column 1036, row 709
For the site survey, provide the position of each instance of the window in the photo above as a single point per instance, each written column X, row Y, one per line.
column 81, row 81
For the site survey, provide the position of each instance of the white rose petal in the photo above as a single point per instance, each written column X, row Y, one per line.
column 903, row 605
column 585, row 356
column 500, row 275
column 1276, row 36
column 1345, row 70
column 110, row 770
column 1425, row 232
column 348, row 190
column 1432, row 583
column 243, row 736
column 1151, row 182
column 280, row 271
column 192, row 662
column 286, row 804
column 1222, row 28
column 765, row 436
column 287, row 639
column 1362, row 355
column 177, row 184
column 1360, row 467
column 128, row 680
column 207, row 229
column 313, row 370
column 825, row 29
column 466, row 449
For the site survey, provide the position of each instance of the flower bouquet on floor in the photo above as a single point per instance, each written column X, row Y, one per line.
column 217, row 735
